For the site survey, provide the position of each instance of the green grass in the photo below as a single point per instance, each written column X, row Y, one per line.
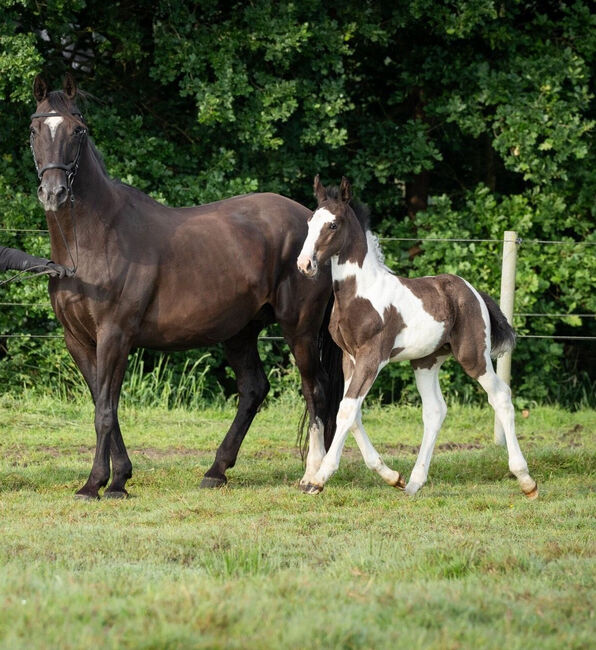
column 467, row 563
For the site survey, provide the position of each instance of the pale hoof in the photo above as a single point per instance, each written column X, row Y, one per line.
column 412, row 488
column 400, row 484
column 533, row 493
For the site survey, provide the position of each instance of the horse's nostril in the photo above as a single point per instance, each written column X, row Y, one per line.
column 61, row 193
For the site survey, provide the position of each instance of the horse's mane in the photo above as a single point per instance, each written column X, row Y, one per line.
column 362, row 212
column 61, row 104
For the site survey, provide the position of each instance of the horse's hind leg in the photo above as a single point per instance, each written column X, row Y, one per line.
column 305, row 353
column 499, row 397
column 434, row 410
column 243, row 356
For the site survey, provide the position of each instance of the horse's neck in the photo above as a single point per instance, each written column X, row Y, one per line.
column 361, row 260
column 87, row 219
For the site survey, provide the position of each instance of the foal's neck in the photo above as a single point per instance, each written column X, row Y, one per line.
column 359, row 258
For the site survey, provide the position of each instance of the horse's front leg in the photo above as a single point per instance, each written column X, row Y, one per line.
column 111, row 360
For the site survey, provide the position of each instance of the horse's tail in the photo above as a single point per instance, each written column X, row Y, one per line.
column 333, row 381
column 331, row 360
column 502, row 335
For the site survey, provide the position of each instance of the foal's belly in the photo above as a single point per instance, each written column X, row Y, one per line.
column 419, row 338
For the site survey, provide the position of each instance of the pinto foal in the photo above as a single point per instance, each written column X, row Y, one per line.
column 380, row 317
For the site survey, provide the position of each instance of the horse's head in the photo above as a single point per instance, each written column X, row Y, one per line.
column 326, row 228
column 57, row 138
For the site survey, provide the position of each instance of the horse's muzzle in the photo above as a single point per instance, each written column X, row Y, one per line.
column 52, row 196
column 308, row 266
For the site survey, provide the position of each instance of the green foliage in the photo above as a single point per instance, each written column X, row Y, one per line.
column 482, row 111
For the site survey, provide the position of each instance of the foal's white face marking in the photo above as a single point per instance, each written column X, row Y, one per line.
column 317, row 222
column 53, row 124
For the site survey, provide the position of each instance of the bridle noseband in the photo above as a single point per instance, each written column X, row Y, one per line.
column 69, row 168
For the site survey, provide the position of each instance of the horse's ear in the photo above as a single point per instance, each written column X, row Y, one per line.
column 345, row 191
column 69, row 86
column 40, row 89
column 320, row 191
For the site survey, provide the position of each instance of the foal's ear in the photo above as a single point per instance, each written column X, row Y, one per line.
column 345, row 191
column 40, row 89
column 320, row 191
column 69, row 86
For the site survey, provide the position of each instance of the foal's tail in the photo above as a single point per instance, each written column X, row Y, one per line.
column 333, row 381
column 502, row 335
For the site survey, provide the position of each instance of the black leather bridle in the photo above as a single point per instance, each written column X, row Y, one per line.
column 69, row 168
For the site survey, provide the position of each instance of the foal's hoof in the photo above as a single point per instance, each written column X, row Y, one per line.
column 213, row 482
column 116, row 494
column 400, row 484
column 311, row 488
column 533, row 493
column 412, row 488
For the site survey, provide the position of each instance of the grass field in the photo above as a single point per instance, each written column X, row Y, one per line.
column 467, row 563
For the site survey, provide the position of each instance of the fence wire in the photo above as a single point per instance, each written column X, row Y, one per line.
column 519, row 241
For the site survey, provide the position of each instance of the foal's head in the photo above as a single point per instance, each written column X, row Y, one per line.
column 57, row 137
column 328, row 228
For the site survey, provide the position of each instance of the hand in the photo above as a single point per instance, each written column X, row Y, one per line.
column 59, row 271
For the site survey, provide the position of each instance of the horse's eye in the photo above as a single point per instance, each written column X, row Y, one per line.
column 333, row 226
column 79, row 130
column 32, row 130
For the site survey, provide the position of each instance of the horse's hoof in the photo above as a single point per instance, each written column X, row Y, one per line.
column 115, row 494
column 83, row 496
column 533, row 493
column 412, row 488
column 311, row 488
column 400, row 484
column 213, row 482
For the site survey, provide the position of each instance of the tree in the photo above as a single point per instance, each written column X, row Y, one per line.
column 453, row 120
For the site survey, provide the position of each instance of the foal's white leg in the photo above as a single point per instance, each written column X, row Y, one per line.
column 499, row 397
column 346, row 416
column 316, row 451
column 371, row 457
column 434, row 411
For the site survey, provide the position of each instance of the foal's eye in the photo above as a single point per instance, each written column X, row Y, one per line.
column 333, row 226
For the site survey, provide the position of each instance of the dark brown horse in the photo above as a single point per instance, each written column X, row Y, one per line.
column 172, row 279
column 379, row 317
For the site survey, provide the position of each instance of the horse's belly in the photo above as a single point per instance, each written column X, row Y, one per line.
column 193, row 321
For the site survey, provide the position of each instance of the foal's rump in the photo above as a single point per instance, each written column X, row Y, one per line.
column 475, row 328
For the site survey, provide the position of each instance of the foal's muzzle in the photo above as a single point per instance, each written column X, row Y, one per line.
column 308, row 265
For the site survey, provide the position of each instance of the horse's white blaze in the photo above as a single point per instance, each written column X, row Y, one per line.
column 53, row 124
column 320, row 218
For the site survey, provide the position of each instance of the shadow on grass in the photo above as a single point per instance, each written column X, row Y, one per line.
column 186, row 471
